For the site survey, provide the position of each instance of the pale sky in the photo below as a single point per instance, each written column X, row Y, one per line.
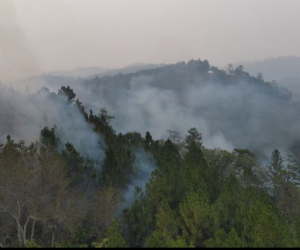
column 46, row 35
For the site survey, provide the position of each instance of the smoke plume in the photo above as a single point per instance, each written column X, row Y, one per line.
column 244, row 115
column 24, row 115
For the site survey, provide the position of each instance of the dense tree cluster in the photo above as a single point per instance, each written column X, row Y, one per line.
column 51, row 196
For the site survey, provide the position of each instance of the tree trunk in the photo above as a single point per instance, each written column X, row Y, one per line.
column 52, row 243
column 20, row 233
column 32, row 229
column 25, row 231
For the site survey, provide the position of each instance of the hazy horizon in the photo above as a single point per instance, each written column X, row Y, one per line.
column 42, row 36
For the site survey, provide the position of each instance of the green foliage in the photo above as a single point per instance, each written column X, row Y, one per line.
column 81, row 171
column 297, row 231
column 113, row 238
column 166, row 181
column 116, row 167
column 194, row 136
column 32, row 244
column 66, row 245
column 221, row 239
column 197, row 171
column 226, row 205
column 48, row 137
column 148, row 139
column 284, row 174
column 67, row 92
column 198, row 219
column 135, row 139
column 261, row 226
column 157, row 191
column 105, row 118
column 196, row 197
column 82, row 109
column 119, row 157
column 79, row 237
column 135, row 221
column 167, row 228
column 179, row 242
column 222, row 160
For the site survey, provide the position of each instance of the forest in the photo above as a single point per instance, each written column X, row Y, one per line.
column 88, row 166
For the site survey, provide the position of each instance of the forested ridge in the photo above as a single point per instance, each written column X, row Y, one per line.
column 130, row 189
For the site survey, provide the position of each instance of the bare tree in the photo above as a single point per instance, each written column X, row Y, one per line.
column 174, row 136
column 105, row 206
column 32, row 182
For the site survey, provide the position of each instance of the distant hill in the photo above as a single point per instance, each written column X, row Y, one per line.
column 53, row 80
column 284, row 70
column 102, row 147
column 277, row 68
column 129, row 69
column 293, row 84
column 80, row 72
column 92, row 72
column 230, row 108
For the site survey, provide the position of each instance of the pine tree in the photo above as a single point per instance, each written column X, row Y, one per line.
column 194, row 136
column 113, row 237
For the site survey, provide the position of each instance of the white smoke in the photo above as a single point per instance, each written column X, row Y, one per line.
column 144, row 165
column 243, row 115
column 248, row 115
column 23, row 116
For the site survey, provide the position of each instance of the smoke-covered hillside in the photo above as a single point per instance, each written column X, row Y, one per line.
column 276, row 68
column 126, row 70
column 168, row 151
column 80, row 72
column 97, row 154
column 23, row 116
column 34, row 83
column 284, row 70
column 231, row 109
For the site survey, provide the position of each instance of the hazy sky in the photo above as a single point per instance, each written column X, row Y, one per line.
column 47, row 35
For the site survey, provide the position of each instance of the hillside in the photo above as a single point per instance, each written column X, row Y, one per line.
column 284, row 70
column 80, row 72
column 228, row 108
column 70, row 77
column 176, row 156
column 277, row 68
column 126, row 70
